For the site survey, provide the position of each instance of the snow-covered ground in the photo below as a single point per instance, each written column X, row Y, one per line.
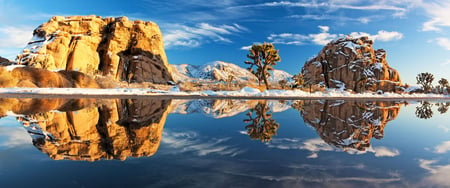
column 246, row 92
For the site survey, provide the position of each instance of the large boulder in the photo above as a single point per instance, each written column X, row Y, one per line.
column 117, row 47
column 352, row 64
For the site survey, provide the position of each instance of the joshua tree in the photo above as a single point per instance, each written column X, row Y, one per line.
column 298, row 80
column 424, row 110
column 282, row 83
column 262, row 126
column 425, row 79
column 443, row 107
column 443, row 84
column 262, row 57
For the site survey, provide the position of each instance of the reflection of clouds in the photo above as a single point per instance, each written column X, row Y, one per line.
column 317, row 145
column 439, row 174
column 13, row 137
column 442, row 148
column 444, row 128
column 193, row 142
column 323, row 180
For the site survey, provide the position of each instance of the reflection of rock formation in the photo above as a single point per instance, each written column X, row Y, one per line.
column 123, row 128
column 348, row 125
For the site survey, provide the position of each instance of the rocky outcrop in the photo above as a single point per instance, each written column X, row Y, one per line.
column 4, row 60
column 352, row 64
column 351, row 124
column 126, row 50
column 116, row 130
column 22, row 76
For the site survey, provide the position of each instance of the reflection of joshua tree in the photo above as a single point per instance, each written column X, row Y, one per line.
column 262, row 126
column 424, row 110
column 443, row 107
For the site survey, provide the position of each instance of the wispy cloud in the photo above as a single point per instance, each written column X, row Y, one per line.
column 324, row 37
column 443, row 42
column 14, row 137
column 382, row 35
column 15, row 36
column 438, row 176
column 193, row 36
column 439, row 15
column 443, row 147
column 340, row 18
column 192, row 142
column 445, row 64
column 332, row 5
column 317, row 145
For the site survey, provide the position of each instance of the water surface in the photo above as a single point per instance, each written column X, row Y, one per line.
column 223, row 143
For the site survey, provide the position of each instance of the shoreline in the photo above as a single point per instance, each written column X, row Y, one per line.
column 139, row 93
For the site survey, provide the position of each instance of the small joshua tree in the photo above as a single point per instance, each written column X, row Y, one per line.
column 443, row 83
column 298, row 80
column 262, row 58
column 425, row 79
column 282, row 83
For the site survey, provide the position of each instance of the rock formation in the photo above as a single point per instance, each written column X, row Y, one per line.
column 352, row 64
column 349, row 125
column 126, row 50
column 4, row 60
column 116, row 130
column 21, row 76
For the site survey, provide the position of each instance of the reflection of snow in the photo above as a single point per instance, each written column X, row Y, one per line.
column 442, row 148
column 317, row 145
column 192, row 142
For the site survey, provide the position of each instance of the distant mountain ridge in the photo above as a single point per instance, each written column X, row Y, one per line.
column 220, row 71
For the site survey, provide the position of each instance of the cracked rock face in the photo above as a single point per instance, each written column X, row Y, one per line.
column 352, row 64
column 125, row 50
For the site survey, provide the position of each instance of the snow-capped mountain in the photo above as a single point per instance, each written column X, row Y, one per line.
column 214, row 71
column 219, row 70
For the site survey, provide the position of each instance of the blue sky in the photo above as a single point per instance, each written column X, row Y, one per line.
column 415, row 33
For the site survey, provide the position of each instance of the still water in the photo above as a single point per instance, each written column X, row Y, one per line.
column 223, row 143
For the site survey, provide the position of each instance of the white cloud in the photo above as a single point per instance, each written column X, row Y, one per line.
column 444, row 43
column 382, row 151
column 317, row 145
column 382, row 35
column 445, row 64
column 13, row 137
column 439, row 15
column 246, row 47
column 186, row 36
column 388, row 36
column 398, row 8
column 324, row 37
column 15, row 37
column 438, row 174
column 442, row 148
